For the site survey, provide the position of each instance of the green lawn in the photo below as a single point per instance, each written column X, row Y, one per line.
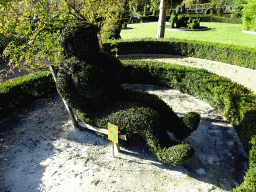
column 223, row 33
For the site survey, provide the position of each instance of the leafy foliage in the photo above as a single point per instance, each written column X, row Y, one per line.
column 24, row 44
column 240, row 56
column 20, row 91
column 193, row 23
column 249, row 16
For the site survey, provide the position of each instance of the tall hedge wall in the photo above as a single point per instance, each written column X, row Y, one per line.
column 244, row 57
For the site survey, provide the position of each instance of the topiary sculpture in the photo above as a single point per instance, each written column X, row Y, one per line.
column 181, row 21
column 173, row 19
column 193, row 23
column 89, row 81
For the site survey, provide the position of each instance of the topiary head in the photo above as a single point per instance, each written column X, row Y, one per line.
column 80, row 39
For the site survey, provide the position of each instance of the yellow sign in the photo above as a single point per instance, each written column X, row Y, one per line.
column 113, row 133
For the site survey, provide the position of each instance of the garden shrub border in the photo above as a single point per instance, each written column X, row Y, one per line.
column 230, row 54
column 18, row 92
column 203, row 18
column 234, row 101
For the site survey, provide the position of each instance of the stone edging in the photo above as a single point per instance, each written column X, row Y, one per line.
column 202, row 28
column 249, row 32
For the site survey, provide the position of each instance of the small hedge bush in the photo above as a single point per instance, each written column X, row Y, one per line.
column 20, row 91
column 249, row 16
column 240, row 56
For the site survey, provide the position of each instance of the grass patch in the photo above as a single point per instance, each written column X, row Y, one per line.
column 223, row 33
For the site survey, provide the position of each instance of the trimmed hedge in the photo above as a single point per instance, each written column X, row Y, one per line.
column 18, row 92
column 203, row 18
column 240, row 56
column 249, row 16
column 210, row 18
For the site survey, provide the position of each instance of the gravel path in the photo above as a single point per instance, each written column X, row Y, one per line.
column 41, row 151
column 243, row 76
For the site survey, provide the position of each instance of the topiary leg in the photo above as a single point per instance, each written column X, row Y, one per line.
column 176, row 153
column 137, row 118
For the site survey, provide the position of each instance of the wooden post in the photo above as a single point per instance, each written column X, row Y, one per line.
column 161, row 20
column 69, row 109
column 113, row 144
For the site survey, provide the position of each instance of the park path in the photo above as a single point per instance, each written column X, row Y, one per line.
column 241, row 75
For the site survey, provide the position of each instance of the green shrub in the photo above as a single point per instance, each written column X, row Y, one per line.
column 173, row 19
column 249, row 183
column 20, row 91
column 181, row 21
column 244, row 57
column 220, row 12
column 249, row 16
column 193, row 23
column 178, row 9
column 217, row 19
column 89, row 81
column 138, row 118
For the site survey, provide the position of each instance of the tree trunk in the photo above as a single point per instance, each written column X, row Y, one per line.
column 161, row 20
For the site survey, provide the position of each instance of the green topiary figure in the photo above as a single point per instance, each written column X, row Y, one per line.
column 89, row 81
column 193, row 23
column 181, row 21
column 173, row 19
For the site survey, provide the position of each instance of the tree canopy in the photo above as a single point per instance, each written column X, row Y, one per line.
column 32, row 27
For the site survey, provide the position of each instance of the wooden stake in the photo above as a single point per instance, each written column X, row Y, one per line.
column 69, row 109
column 113, row 144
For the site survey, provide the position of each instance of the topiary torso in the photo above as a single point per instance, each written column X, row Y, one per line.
column 89, row 81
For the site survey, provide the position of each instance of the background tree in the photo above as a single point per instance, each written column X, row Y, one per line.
column 30, row 48
column 154, row 4
column 162, row 19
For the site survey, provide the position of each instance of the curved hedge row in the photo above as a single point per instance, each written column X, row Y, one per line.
column 240, row 56
column 203, row 18
column 18, row 92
